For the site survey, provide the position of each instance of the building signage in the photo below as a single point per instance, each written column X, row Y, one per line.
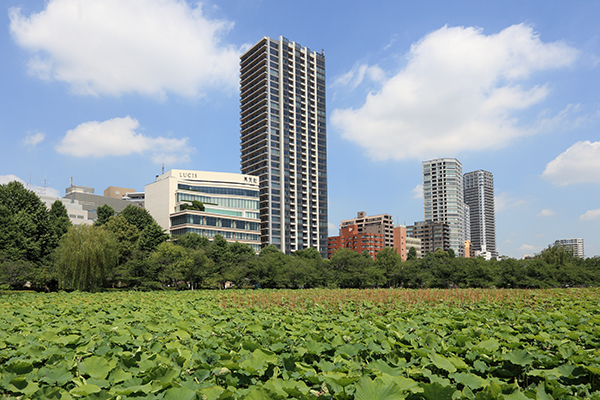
column 188, row 175
column 249, row 179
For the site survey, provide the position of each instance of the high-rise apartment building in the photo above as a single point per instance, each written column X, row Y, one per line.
column 575, row 246
column 443, row 198
column 284, row 141
column 479, row 196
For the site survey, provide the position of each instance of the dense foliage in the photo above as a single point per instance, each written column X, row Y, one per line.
column 33, row 253
column 311, row 344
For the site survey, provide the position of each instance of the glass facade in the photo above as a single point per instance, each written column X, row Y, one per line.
column 443, row 198
column 284, row 141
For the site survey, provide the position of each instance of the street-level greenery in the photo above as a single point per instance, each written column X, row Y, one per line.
column 130, row 250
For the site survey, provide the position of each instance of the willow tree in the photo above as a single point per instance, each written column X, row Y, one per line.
column 86, row 257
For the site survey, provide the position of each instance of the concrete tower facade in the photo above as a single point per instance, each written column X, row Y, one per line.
column 479, row 196
column 284, row 141
column 443, row 198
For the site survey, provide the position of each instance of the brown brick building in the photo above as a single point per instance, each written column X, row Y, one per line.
column 354, row 239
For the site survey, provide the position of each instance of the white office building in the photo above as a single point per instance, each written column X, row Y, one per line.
column 230, row 205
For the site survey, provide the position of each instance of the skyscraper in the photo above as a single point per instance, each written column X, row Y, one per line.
column 284, row 141
column 479, row 196
column 443, row 198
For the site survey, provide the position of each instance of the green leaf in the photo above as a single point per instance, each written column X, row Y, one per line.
column 211, row 393
column 472, row 381
column 540, row 392
column 22, row 385
column 135, row 389
column 85, row 390
column 180, row 393
column 258, row 394
column 96, row 367
column 516, row 395
column 258, row 360
column 490, row 345
column 435, row 391
column 341, row 378
column 54, row 376
column 519, row 357
column 442, row 362
column 366, row 389
column 20, row 367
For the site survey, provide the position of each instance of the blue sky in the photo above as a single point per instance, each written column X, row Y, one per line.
column 105, row 91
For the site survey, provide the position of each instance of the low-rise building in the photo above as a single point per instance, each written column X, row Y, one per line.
column 90, row 201
column 433, row 235
column 575, row 246
column 77, row 215
column 351, row 238
column 381, row 224
column 416, row 244
column 231, row 204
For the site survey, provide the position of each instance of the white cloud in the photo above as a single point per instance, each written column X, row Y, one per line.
column 460, row 90
column 113, row 47
column 118, row 137
column 503, row 201
column 590, row 215
column 48, row 191
column 546, row 212
column 357, row 74
column 333, row 229
column 418, row 192
column 580, row 163
column 530, row 249
column 4, row 179
column 33, row 138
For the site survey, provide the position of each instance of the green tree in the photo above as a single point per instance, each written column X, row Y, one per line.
column 140, row 217
column 15, row 273
column 192, row 241
column 103, row 214
column 170, row 263
column 25, row 231
column 310, row 254
column 151, row 236
column 412, row 254
column 86, row 258
column 59, row 218
column 126, row 234
column 349, row 269
column 219, row 253
column 388, row 260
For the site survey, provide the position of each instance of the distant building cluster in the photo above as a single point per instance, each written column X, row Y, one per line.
column 458, row 215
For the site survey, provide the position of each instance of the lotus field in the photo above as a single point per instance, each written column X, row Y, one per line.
column 304, row 344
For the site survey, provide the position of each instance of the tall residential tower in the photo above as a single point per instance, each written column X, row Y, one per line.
column 284, row 141
column 479, row 196
column 443, row 198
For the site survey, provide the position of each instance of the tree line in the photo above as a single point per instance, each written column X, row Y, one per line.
column 40, row 249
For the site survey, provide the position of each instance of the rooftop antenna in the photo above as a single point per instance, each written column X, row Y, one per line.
column 42, row 190
column 163, row 168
